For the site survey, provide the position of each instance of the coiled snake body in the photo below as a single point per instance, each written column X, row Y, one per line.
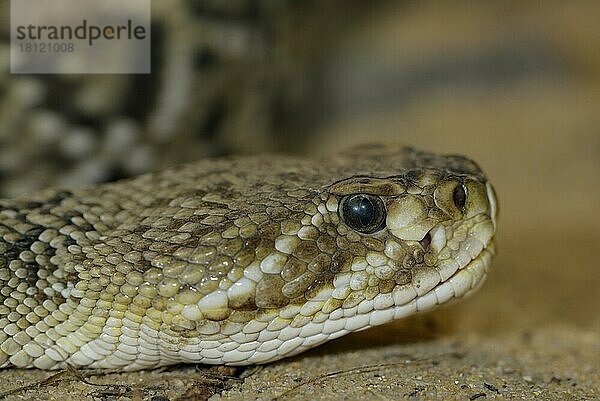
column 238, row 260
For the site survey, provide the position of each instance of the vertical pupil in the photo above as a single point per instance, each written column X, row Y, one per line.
column 460, row 196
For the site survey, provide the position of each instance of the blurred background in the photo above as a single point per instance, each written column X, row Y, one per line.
column 513, row 85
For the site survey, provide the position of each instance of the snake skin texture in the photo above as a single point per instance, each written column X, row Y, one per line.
column 237, row 260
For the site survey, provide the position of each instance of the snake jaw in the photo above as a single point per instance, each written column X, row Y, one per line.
column 405, row 302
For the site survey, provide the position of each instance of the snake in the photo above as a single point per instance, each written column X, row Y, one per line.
column 238, row 260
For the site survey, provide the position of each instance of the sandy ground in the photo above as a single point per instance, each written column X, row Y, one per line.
column 533, row 330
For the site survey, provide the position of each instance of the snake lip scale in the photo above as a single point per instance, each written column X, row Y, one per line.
column 238, row 260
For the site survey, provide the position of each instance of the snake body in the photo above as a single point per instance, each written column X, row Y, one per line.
column 238, row 260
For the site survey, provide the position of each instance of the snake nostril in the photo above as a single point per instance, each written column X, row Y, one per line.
column 425, row 242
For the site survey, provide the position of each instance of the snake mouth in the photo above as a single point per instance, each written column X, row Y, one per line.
column 462, row 283
column 465, row 280
column 459, row 274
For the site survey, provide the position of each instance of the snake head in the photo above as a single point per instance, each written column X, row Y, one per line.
column 379, row 235
column 426, row 237
column 417, row 239
column 374, row 236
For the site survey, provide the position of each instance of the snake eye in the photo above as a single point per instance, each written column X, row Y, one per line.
column 363, row 213
column 460, row 197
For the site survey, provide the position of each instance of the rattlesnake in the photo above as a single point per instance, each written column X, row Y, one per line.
column 238, row 260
